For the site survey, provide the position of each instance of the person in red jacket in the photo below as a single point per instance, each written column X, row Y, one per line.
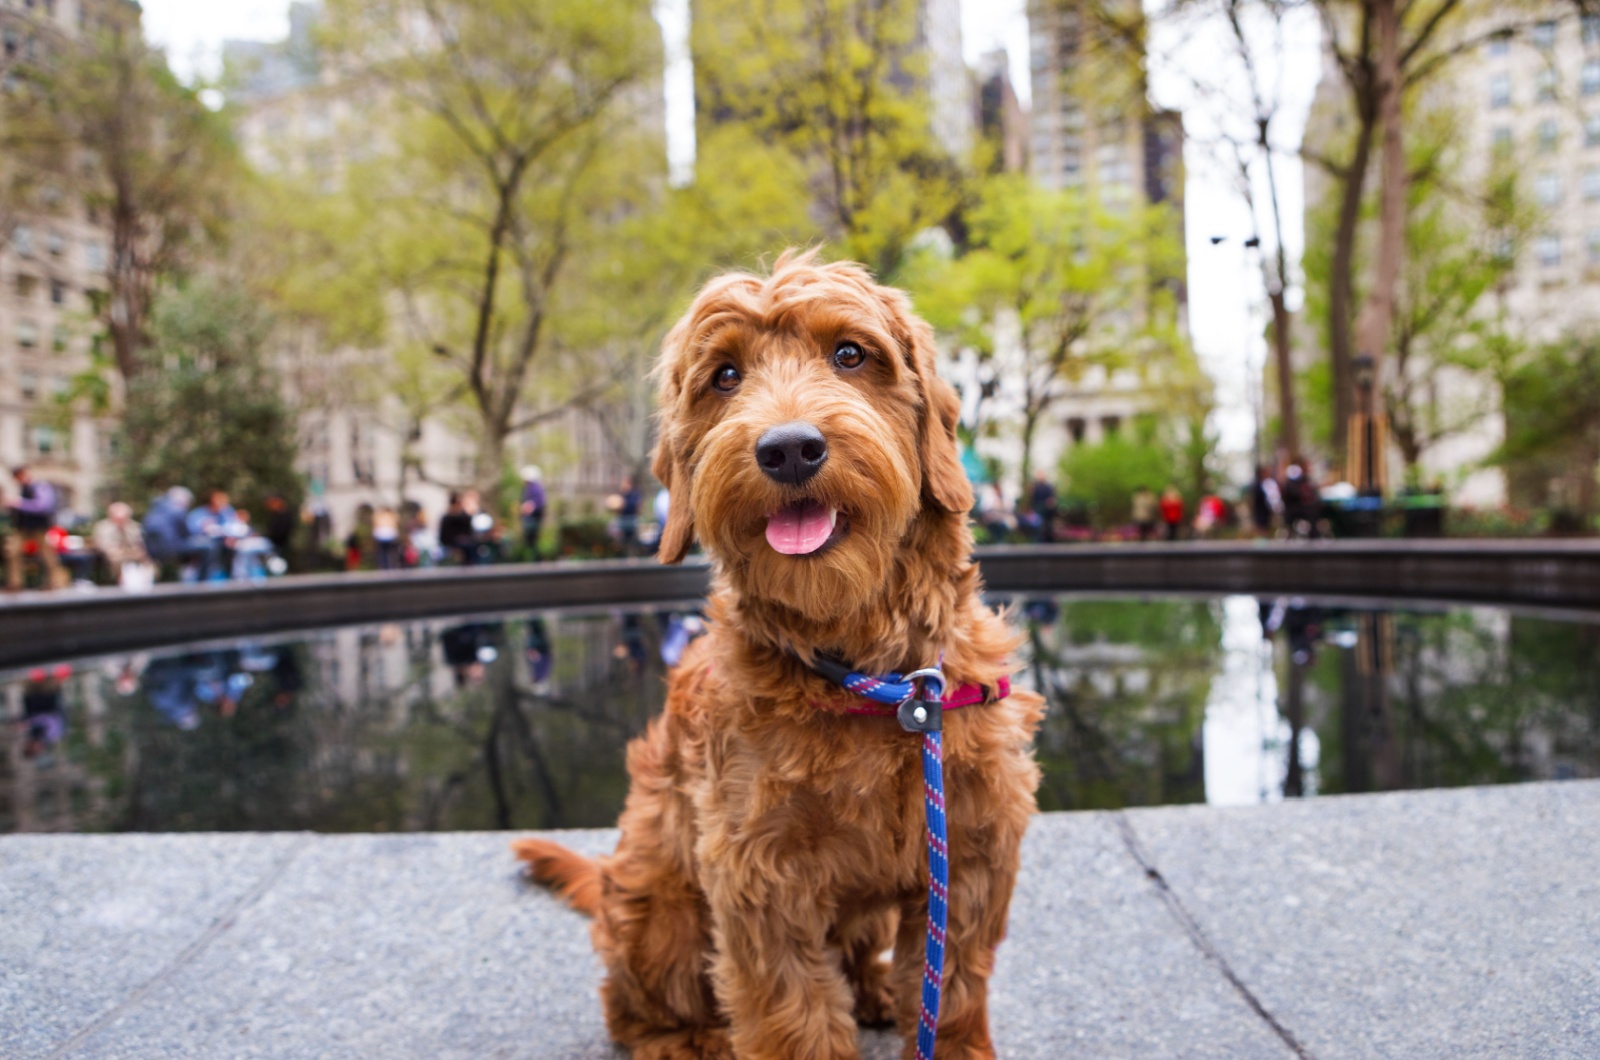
column 1172, row 511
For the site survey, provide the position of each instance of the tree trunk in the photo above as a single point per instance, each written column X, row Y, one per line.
column 1376, row 322
column 1341, row 284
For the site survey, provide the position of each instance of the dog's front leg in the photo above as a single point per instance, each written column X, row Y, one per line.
column 781, row 986
column 983, row 871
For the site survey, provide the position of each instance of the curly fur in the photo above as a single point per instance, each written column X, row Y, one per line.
column 772, row 846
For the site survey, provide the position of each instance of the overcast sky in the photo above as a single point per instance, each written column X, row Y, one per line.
column 1225, row 295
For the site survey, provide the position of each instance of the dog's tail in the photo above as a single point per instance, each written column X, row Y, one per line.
column 566, row 872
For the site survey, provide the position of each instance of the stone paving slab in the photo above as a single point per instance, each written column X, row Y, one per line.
column 1433, row 924
column 1409, row 925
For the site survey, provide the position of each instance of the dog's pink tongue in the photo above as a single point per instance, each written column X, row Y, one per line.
column 800, row 528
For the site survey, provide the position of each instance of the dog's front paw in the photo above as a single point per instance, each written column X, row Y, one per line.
column 705, row 1043
column 874, row 1002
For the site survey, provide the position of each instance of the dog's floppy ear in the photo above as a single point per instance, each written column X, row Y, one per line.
column 678, row 533
column 666, row 464
column 943, row 478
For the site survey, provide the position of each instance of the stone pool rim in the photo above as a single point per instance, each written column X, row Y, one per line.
column 1546, row 578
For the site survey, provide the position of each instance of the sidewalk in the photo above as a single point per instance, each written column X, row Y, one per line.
column 1434, row 924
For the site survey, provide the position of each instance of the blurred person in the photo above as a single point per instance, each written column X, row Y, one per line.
column 1210, row 514
column 1042, row 503
column 33, row 514
column 167, row 537
column 423, row 542
column 1301, row 502
column 253, row 554
column 119, row 540
column 358, row 545
column 44, row 711
column 278, row 527
column 458, row 534
column 1266, row 501
column 386, row 538
column 1172, row 511
column 629, row 503
column 1145, row 511
column 993, row 515
column 532, row 508
column 661, row 507
column 210, row 524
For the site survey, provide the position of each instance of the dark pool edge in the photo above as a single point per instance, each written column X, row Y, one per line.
column 1549, row 578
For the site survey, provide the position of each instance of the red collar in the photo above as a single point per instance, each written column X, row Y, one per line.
column 954, row 699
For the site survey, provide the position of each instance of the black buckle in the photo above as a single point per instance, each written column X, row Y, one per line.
column 921, row 715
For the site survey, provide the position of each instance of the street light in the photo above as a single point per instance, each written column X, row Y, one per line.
column 1365, row 371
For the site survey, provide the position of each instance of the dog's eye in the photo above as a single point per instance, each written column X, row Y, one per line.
column 849, row 355
column 726, row 379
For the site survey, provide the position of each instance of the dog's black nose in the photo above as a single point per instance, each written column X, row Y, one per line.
column 792, row 452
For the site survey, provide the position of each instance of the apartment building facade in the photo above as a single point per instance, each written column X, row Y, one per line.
column 53, row 260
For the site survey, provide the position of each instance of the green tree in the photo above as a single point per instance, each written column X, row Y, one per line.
column 104, row 115
column 837, row 91
column 511, row 137
column 1056, row 284
column 1552, row 445
column 209, row 414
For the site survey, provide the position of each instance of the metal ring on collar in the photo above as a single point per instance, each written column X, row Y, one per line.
column 927, row 673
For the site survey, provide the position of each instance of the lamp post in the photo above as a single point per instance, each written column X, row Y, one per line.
column 1364, row 369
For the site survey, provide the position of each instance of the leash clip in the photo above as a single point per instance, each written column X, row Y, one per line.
column 920, row 713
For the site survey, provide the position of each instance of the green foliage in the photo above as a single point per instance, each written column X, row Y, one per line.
column 213, row 416
column 833, row 93
column 1552, row 411
column 1080, row 285
column 1104, row 476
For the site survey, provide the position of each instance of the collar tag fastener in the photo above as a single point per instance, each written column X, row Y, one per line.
column 924, row 711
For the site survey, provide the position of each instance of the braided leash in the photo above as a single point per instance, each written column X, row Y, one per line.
column 922, row 712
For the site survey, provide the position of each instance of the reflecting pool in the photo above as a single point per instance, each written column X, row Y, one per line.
column 521, row 721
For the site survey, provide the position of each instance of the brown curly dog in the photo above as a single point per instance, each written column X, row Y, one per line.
column 772, row 846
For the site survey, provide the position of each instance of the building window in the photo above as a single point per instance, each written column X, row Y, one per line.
column 1077, row 427
column 1503, row 248
column 1500, row 90
column 1591, row 184
column 1544, row 35
column 1544, row 85
column 1110, row 425
column 1594, row 246
column 1549, row 135
column 46, row 441
column 94, row 255
column 1501, row 142
column 25, row 286
column 1500, row 45
column 58, row 338
column 1547, row 189
column 27, row 334
column 1547, row 248
column 28, row 386
column 22, row 240
column 1591, row 131
column 1590, row 79
column 56, row 244
column 1591, row 29
column 58, row 293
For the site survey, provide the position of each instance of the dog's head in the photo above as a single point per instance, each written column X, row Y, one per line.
column 804, row 433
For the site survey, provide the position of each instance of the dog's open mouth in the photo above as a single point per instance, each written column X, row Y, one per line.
column 804, row 527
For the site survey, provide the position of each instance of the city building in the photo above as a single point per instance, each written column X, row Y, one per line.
column 1000, row 121
column 1091, row 128
column 53, row 260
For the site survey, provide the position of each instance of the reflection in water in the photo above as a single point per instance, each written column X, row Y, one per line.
column 440, row 725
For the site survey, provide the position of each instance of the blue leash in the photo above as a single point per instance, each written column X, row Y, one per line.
column 920, row 713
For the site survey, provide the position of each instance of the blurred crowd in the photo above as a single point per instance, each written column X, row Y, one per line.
column 182, row 537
